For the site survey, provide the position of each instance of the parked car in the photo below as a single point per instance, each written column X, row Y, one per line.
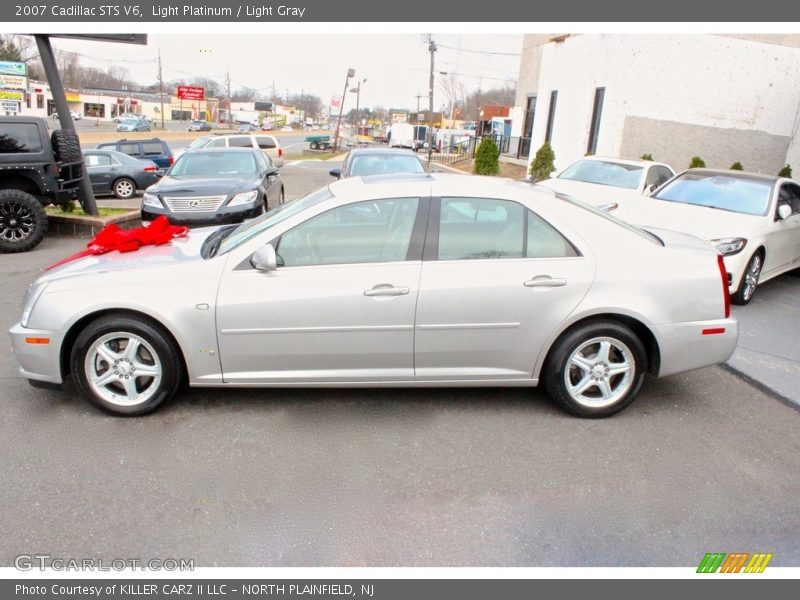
column 268, row 144
column 133, row 124
column 753, row 220
column 399, row 280
column 153, row 149
column 76, row 116
column 378, row 161
column 603, row 181
column 127, row 115
column 211, row 187
column 247, row 127
column 287, row 128
column 112, row 172
column 199, row 125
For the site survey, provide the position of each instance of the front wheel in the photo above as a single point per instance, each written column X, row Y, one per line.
column 596, row 369
column 23, row 221
column 124, row 188
column 125, row 365
column 749, row 282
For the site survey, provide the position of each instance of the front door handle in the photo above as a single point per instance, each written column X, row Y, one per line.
column 386, row 289
column 545, row 281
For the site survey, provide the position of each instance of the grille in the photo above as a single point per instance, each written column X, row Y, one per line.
column 194, row 203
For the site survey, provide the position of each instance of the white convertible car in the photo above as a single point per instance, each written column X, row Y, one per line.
column 398, row 280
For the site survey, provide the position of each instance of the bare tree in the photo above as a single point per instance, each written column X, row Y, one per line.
column 454, row 93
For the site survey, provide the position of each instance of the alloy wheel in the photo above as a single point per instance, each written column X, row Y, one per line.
column 599, row 372
column 751, row 276
column 17, row 222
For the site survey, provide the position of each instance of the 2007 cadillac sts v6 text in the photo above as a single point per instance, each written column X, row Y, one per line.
column 400, row 280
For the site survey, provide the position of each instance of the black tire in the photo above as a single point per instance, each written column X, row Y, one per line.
column 23, row 221
column 323, row 146
column 66, row 146
column 749, row 281
column 314, row 146
column 164, row 353
column 282, row 197
column 124, row 188
column 557, row 369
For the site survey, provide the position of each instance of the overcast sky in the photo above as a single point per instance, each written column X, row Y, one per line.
column 395, row 65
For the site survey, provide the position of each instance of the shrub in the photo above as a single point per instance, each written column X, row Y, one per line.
column 543, row 163
column 737, row 166
column 786, row 171
column 697, row 163
column 487, row 158
column 647, row 156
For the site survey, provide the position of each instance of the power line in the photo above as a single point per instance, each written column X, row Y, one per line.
column 484, row 52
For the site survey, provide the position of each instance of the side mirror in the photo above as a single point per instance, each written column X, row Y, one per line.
column 335, row 173
column 784, row 211
column 264, row 259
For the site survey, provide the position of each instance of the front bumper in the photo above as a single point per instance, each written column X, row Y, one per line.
column 696, row 344
column 37, row 361
column 224, row 216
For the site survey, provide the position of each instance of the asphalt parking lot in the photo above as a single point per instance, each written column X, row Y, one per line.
column 701, row 462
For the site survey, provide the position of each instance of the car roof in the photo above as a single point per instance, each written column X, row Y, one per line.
column 625, row 161
column 735, row 174
column 114, row 153
column 226, row 150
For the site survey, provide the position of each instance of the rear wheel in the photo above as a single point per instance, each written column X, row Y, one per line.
column 124, row 188
column 749, row 282
column 596, row 369
column 314, row 146
column 125, row 365
column 23, row 221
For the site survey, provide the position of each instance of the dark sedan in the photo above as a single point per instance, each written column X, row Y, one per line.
column 215, row 186
column 378, row 161
column 112, row 172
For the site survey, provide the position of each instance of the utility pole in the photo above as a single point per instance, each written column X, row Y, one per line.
column 161, row 87
column 228, row 83
column 432, row 49
column 350, row 73
column 418, row 96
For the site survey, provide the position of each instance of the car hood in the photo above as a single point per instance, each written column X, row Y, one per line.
column 193, row 186
column 179, row 251
column 591, row 193
column 703, row 222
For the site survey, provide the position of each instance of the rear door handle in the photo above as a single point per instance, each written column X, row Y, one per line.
column 545, row 281
column 386, row 289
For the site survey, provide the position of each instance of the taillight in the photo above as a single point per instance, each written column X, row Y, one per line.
column 171, row 160
column 280, row 152
column 726, row 294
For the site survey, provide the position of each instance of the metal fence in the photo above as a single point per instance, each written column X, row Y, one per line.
column 455, row 153
column 513, row 146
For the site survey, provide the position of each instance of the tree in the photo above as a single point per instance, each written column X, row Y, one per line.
column 543, row 163
column 9, row 49
column 647, row 156
column 697, row 163
column 737, row 166
column 786, row 171
column 487, row 158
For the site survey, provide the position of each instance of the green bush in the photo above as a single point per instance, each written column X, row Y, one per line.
column 487, row 158
column 786, row 171
column 543, row 163
column 647, row 156
column 737, row 166
column 697, row 163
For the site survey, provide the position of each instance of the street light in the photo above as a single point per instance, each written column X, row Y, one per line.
column 357, row 91
column 350, row 73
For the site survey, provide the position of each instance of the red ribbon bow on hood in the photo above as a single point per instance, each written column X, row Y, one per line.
column 113, row 237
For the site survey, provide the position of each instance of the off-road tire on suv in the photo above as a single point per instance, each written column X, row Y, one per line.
column 23, row 221
column 66, row 146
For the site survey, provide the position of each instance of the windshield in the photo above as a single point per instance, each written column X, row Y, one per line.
column 211, row 164
column 604, row 173
column 727, row 192
column 249, row 229
column 378, row 164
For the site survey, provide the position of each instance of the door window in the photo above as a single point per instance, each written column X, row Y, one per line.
column 657, row 175
column 20, row 137
column 240, row 142
column 265, row 142
column 217, row 143
column 98, row 160
column 483, row 228
column 152, row 149
column 129, row 149
column 363, row 232
column 790, row 196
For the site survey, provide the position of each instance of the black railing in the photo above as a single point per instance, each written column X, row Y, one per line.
column 513, row 146
column 454, row 153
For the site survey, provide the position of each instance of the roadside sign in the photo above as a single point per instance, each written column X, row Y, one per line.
column 13, row 68
column 12, row 95
column 13, row 82
column 191, row 92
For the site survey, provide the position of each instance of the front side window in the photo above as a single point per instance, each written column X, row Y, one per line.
column 362, row 232
column 790, row 196
column 483, row 228
column 217, row 143
column 657, row 175
column 16, row 138
column 98, row 160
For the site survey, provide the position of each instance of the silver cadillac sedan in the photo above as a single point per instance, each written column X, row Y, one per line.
column 399, row 280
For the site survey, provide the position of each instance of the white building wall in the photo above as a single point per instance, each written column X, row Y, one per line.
column 699, row 80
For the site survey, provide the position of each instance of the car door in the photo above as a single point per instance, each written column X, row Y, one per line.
column 497, row 279
column 783, row 235
column 340, row 305
column 271, row 179
column 101, row 171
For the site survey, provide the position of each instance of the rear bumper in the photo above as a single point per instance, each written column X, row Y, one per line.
column 39, row 362
column 688, row 346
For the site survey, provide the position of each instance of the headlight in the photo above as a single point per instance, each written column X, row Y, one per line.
column 729, row 246
column 243, row 198
column 151, row 200
column 32, row 295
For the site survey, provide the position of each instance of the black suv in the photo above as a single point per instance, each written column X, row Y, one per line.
column 153, row 149
column 37, row 168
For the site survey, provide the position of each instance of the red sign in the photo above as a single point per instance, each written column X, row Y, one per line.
column 190, row 92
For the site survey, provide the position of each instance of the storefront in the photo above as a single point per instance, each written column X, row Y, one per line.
column 94, row 110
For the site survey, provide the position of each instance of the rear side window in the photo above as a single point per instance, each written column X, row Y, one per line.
column 153, row 149
column 97, row 160
column 240, row 142
column 18, row 138
column 265, row 143
column 129, row 149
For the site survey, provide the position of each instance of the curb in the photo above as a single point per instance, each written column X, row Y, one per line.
column 74, row 226
column 763, row 387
